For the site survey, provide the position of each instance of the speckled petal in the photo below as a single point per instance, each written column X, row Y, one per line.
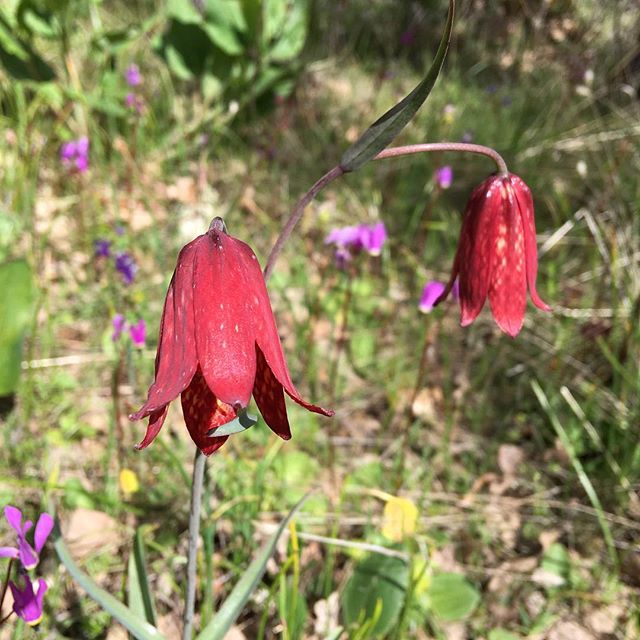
column 476, row 246
column 524, row 202
column 269, row 397
column 203, row 412
column 176, row 358
column 508, row 288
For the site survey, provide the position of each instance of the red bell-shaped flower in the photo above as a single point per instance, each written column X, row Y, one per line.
column 497, row 256
column 218, row 344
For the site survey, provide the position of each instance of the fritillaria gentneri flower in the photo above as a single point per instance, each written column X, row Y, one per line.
column 219, row 344
column 497, row 256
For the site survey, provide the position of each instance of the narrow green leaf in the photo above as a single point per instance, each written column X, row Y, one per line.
column 140, row 598
column 16, row 284
column 139, row 628
column 232, row 607
column 585, row 481
column 380, row 134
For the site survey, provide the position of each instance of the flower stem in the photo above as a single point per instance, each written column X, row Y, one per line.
column 338, row 171
column 199, row 464
column 456, row 147
column 296, row 214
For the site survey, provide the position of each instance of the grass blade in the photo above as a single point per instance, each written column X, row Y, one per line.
column 380, row 134
column 140, row 598
column 579, row 469
column 233, row 605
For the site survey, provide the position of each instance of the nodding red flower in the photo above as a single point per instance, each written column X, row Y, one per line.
column 497, row 255
column 219, row 344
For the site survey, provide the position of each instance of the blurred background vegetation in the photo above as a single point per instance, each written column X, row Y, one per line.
column 496, row 479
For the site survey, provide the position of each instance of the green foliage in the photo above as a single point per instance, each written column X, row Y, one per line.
column 16, row 284
column 377, row 586
column 237, row 50
column 451, row 597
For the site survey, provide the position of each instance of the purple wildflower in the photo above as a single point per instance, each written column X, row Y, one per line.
column 68, row 151
column 75, row 154
column 342, row 258
column 343, row 236
column 134, row 102
column 138, row 333
column 432, row 291
column 132, row 75
column 444, row 176
column 28, row 555
column 28, row 604
column 120, row 230
column 373, row 238
column 367, row 237
column 102, row 248
column 467, row 137
column 127, row 267
column 407, row 37
column 119, row 323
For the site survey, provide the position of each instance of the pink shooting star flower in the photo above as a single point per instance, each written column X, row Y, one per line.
column 27, row 555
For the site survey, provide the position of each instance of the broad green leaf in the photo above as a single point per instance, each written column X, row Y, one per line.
column 184, row 10
column 18, row 57
column 16, row 284
column 452, row 597
column 232, row 607
column 138, row 627
column 228, row 13
column 224, row 37
column 140, row 598
column 285, row 29
column 380, row 134
column 377, row 581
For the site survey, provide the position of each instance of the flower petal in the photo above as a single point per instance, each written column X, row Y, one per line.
column 524, row 202
column 9, row 552
column 476, row 248
column 44, row 527
column 269, row 397
column 508, row 289
column 156, row 420
column 227, row 303
column 176, row 360
column 14, row 518
column 203, row 412
column 27, row 604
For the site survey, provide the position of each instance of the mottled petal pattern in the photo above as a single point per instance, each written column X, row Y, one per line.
column 269, row 397
column 524, row 202
column 476, row 244
column 508, row 288
column 203, row 412
column 218, row 344
column 497, row 255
